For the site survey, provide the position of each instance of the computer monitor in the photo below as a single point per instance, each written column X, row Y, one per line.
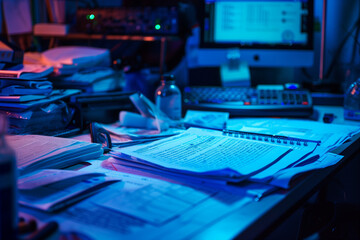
column 267, row 33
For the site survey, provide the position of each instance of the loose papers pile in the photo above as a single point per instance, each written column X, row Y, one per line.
column 209, row 154
column 35, row 152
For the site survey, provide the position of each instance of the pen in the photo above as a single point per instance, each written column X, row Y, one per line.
column 43, row 232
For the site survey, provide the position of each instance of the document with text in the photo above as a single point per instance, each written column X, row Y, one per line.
column 206, row 153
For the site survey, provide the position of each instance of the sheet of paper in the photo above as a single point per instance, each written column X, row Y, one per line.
column 60, row 194
column 206, row 119
column 48, row 176
column 156, row 204
column 283, row 178
column 107, row 223
column 201, row 151
column 291, row 158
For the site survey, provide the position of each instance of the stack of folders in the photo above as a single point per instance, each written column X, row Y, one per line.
column 35, row 152
column 26, row 96
column 25, row 82
column 229, row 156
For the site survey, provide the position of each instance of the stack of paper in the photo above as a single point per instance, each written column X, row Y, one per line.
column 35, row 152
column 208, row 154
column 331, row 136
column 213, row 156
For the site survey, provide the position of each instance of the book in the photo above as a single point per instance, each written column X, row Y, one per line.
column 34, row 152
column 27, row 71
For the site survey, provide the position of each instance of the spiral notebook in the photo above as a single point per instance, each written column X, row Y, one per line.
column 278, row 139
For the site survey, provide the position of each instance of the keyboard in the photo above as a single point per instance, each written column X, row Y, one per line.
column 242, row 101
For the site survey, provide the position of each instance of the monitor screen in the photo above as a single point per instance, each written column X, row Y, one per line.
column 267, row 33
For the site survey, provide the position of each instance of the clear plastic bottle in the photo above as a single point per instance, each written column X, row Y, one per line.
column 168, row 97
column 8, row 186
column 352, row 101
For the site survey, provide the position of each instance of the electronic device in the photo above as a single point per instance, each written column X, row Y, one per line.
column 239, row 101
column 160, row 20
column 269, row 33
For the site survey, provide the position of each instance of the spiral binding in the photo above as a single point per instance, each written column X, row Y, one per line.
column 269, row 138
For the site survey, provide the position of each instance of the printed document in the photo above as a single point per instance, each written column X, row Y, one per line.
column 207, row 153
column 107, row 219
column 35, row 152
column 53, row 189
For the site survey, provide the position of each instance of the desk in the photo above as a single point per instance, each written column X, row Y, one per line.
column 257, row 219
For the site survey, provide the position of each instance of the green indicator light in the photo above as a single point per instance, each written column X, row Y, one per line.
column 157, row 26
column 91, row 16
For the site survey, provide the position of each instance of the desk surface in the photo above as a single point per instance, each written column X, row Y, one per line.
column 254, row 220
column 257, row 217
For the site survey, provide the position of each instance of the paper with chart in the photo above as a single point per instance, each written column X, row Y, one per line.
column 107, row 219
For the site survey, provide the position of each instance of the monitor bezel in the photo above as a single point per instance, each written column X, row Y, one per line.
column 214, row 45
